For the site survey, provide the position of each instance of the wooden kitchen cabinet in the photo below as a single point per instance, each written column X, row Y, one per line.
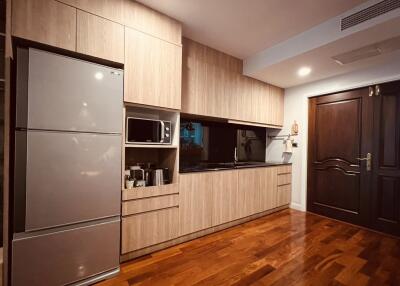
column 152, row 71
column 149, row 21
column 284, row 194
column 225, row 195
column 149, row 228
column 249, row 191
column 257, row 190
column 276, row 106
column 268, row 188
column 245, row 100
column 195, row 202
column 46, row 21
column 213, row 85
column 100, row 37
column 109, row 9
column 284, row 185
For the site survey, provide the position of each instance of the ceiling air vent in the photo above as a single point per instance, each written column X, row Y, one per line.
column 372, row 50
column 369, row 13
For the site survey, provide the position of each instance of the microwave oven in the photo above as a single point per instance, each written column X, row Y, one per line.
column 147, row 131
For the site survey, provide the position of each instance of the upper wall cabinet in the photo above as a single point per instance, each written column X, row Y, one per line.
column 109, row 9
column 213, row 85
column 276, row 114
column 144, row 19
column 45, row 21
column 100, row 37
column 152, row 70
column 134, row 15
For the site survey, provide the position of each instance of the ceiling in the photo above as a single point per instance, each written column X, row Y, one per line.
column 243, row 27
column 277, row 37
column 320, row 60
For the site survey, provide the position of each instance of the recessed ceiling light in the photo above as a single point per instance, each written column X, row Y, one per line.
column 304, row 71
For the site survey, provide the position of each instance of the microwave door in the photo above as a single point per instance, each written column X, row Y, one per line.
column 143, row 131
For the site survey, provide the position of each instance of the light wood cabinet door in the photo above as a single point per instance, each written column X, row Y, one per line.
column 149, row 228
column 46, row 21
column 276, row 113
column 249, row 191
column 284, row 195
column 151, row 22
column 152, row 71
column 194, row 89
column 243, row 99
column 268, row 188
column 109, row 9
column 225, row 197
column 195, row 202
column 100, row 37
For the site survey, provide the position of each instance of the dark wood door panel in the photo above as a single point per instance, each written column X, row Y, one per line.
column 337, row 182
column 341, row 190
column 389, row 131
column 346, row 126
column 330, row 119
column 385, row 204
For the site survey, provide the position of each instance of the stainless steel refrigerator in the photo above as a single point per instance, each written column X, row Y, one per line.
column 67, row 170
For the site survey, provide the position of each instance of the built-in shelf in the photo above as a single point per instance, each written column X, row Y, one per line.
column 151, row 146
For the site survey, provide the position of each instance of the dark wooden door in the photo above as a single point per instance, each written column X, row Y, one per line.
column 385, row 203
column 340, row 131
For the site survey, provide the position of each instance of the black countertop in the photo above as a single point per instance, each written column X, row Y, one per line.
column 206, row 167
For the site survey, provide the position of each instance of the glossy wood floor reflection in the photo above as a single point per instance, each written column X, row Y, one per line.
column 286, row 248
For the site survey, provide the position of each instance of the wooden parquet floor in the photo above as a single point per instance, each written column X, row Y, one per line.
column 286, row 248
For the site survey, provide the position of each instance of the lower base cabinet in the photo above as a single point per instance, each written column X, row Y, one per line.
column 225, row 197
column 149, row 228
column 249, row 192
column 195, row 202
column 204, row 200
column 213, row 198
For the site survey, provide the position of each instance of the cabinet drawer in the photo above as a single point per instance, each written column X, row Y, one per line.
column 142, row 230
column 284, row 179
column 151, row 191
column 284, row 169
column 284, row 195
column 149, row 204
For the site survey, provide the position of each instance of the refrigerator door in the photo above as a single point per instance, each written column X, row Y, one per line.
column 70, row 178
column 60, row 93
column 66, row 256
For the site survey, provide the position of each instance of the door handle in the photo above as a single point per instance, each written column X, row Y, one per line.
column 368, row 159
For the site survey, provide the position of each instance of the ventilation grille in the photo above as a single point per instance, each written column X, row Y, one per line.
column 372, row 50
column 369, row 13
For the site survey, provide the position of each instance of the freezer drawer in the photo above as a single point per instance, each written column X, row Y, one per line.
column 60, row 93
column 67, row 256
column 69, row 178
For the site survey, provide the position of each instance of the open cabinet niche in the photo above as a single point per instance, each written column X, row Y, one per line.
column 159, row 158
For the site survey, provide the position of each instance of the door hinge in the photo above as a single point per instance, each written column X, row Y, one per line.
column 375, row 90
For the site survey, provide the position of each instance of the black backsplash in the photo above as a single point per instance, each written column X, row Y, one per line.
column 203, row 141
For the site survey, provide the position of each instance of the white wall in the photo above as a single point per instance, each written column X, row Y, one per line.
column 296, row 108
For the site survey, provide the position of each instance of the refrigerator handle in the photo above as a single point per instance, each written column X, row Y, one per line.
column 19, row 181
